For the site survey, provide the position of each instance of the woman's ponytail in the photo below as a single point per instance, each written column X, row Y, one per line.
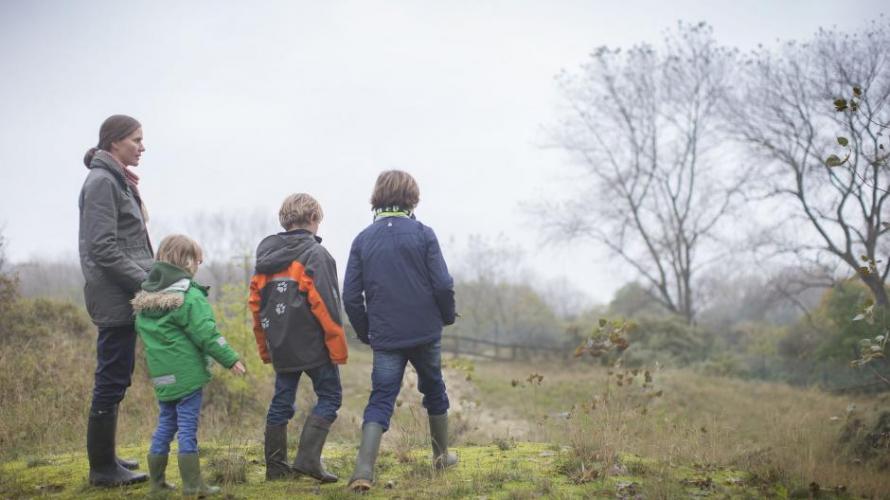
column 88, row 158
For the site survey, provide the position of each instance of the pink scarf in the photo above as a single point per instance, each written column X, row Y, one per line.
column 132, row 181
column 130, row 176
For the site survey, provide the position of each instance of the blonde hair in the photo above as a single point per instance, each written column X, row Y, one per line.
column 181, row 251
column 299, row 210
column 395, row 188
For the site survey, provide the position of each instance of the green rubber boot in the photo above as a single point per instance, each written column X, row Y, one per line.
column 275, row 451
column 363, row 476
column 439, row 437
column 192, row 483
column 308, row 461
column 157, row 474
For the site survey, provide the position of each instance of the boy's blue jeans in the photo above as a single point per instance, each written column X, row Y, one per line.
column 386, row 381
column 178, row 418
column 325, row 382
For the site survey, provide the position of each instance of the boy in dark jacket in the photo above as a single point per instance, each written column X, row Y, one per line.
column 177, row 327
column 398, row 296
column 295, row 300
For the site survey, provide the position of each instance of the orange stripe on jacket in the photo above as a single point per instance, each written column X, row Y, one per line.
column 334, row 336
column 257, row 283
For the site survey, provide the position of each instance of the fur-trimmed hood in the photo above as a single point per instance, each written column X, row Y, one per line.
column 168, row 299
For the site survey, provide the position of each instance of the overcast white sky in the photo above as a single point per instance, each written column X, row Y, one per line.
column 243, row 103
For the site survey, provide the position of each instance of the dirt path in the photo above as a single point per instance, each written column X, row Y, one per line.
column 472, row 420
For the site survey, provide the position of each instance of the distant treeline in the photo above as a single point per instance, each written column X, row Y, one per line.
column 748, row 329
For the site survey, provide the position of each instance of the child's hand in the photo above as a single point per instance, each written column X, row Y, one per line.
column 238, row 368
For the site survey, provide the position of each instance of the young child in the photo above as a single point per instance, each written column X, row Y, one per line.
column 398, row 296
column 177, row 327
column 295, row 300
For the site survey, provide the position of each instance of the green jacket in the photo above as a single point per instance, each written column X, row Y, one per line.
column 176, row 324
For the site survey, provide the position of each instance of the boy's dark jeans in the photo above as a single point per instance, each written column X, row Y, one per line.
column 325, row 382
column 386, row 380
column 115, row 360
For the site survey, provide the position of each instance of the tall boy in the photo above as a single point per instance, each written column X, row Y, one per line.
column 295, row 300
column 398, row 296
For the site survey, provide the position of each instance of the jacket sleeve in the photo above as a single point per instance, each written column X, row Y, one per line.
column 353, row 294
column 324, row 302
column 200, row 326
column 254, row 303
column 99, row 221
column 442, row 283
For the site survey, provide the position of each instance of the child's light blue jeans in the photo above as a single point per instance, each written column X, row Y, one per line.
column 179, row 418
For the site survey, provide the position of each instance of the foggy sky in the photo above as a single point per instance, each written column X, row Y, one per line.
column 243, row 103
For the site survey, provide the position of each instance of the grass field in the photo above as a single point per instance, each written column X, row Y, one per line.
column 547, row 428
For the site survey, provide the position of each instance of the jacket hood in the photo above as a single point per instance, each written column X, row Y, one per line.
column 276, row 252
column 162, row 275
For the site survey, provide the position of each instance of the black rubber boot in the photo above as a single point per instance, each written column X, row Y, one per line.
column 126, row 463
column 157, row 474
column 276, row 453
column 193, row 484
column 104, row 469
column 308, row 461
column 439, row 439
column 363, row 476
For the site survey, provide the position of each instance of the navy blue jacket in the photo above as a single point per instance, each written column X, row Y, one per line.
column 397, row 292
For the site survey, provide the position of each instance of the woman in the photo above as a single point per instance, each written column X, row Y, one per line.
column 115, row 256
column 398, row 296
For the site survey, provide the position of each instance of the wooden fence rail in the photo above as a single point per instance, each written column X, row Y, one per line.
column 502, row 351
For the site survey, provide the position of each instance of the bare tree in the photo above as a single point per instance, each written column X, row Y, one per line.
column 484, row 272
column 783, row 111
column 643, row 125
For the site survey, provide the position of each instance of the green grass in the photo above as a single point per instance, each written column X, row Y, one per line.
column 528, row 470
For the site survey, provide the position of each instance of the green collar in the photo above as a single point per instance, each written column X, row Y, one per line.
column 384, row 212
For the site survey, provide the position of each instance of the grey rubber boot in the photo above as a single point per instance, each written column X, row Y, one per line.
column 104, row 469
column 276, row 453
column 363, row 476
column 308, row 461
column 157, row 474
column 192, row 482
column 439, row 439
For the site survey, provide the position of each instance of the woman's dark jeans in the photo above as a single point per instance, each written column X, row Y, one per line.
column 115, row 360
column 386, row 381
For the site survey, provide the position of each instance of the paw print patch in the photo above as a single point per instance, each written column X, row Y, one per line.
column 265, row 322
column 279, row 309
column 281, row 287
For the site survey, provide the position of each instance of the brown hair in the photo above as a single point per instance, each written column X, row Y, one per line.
column 395, row 188
column 113, row 129
column 298, row 210
column 181, row 251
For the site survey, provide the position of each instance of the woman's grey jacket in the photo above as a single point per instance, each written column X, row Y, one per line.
column 115, row 252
